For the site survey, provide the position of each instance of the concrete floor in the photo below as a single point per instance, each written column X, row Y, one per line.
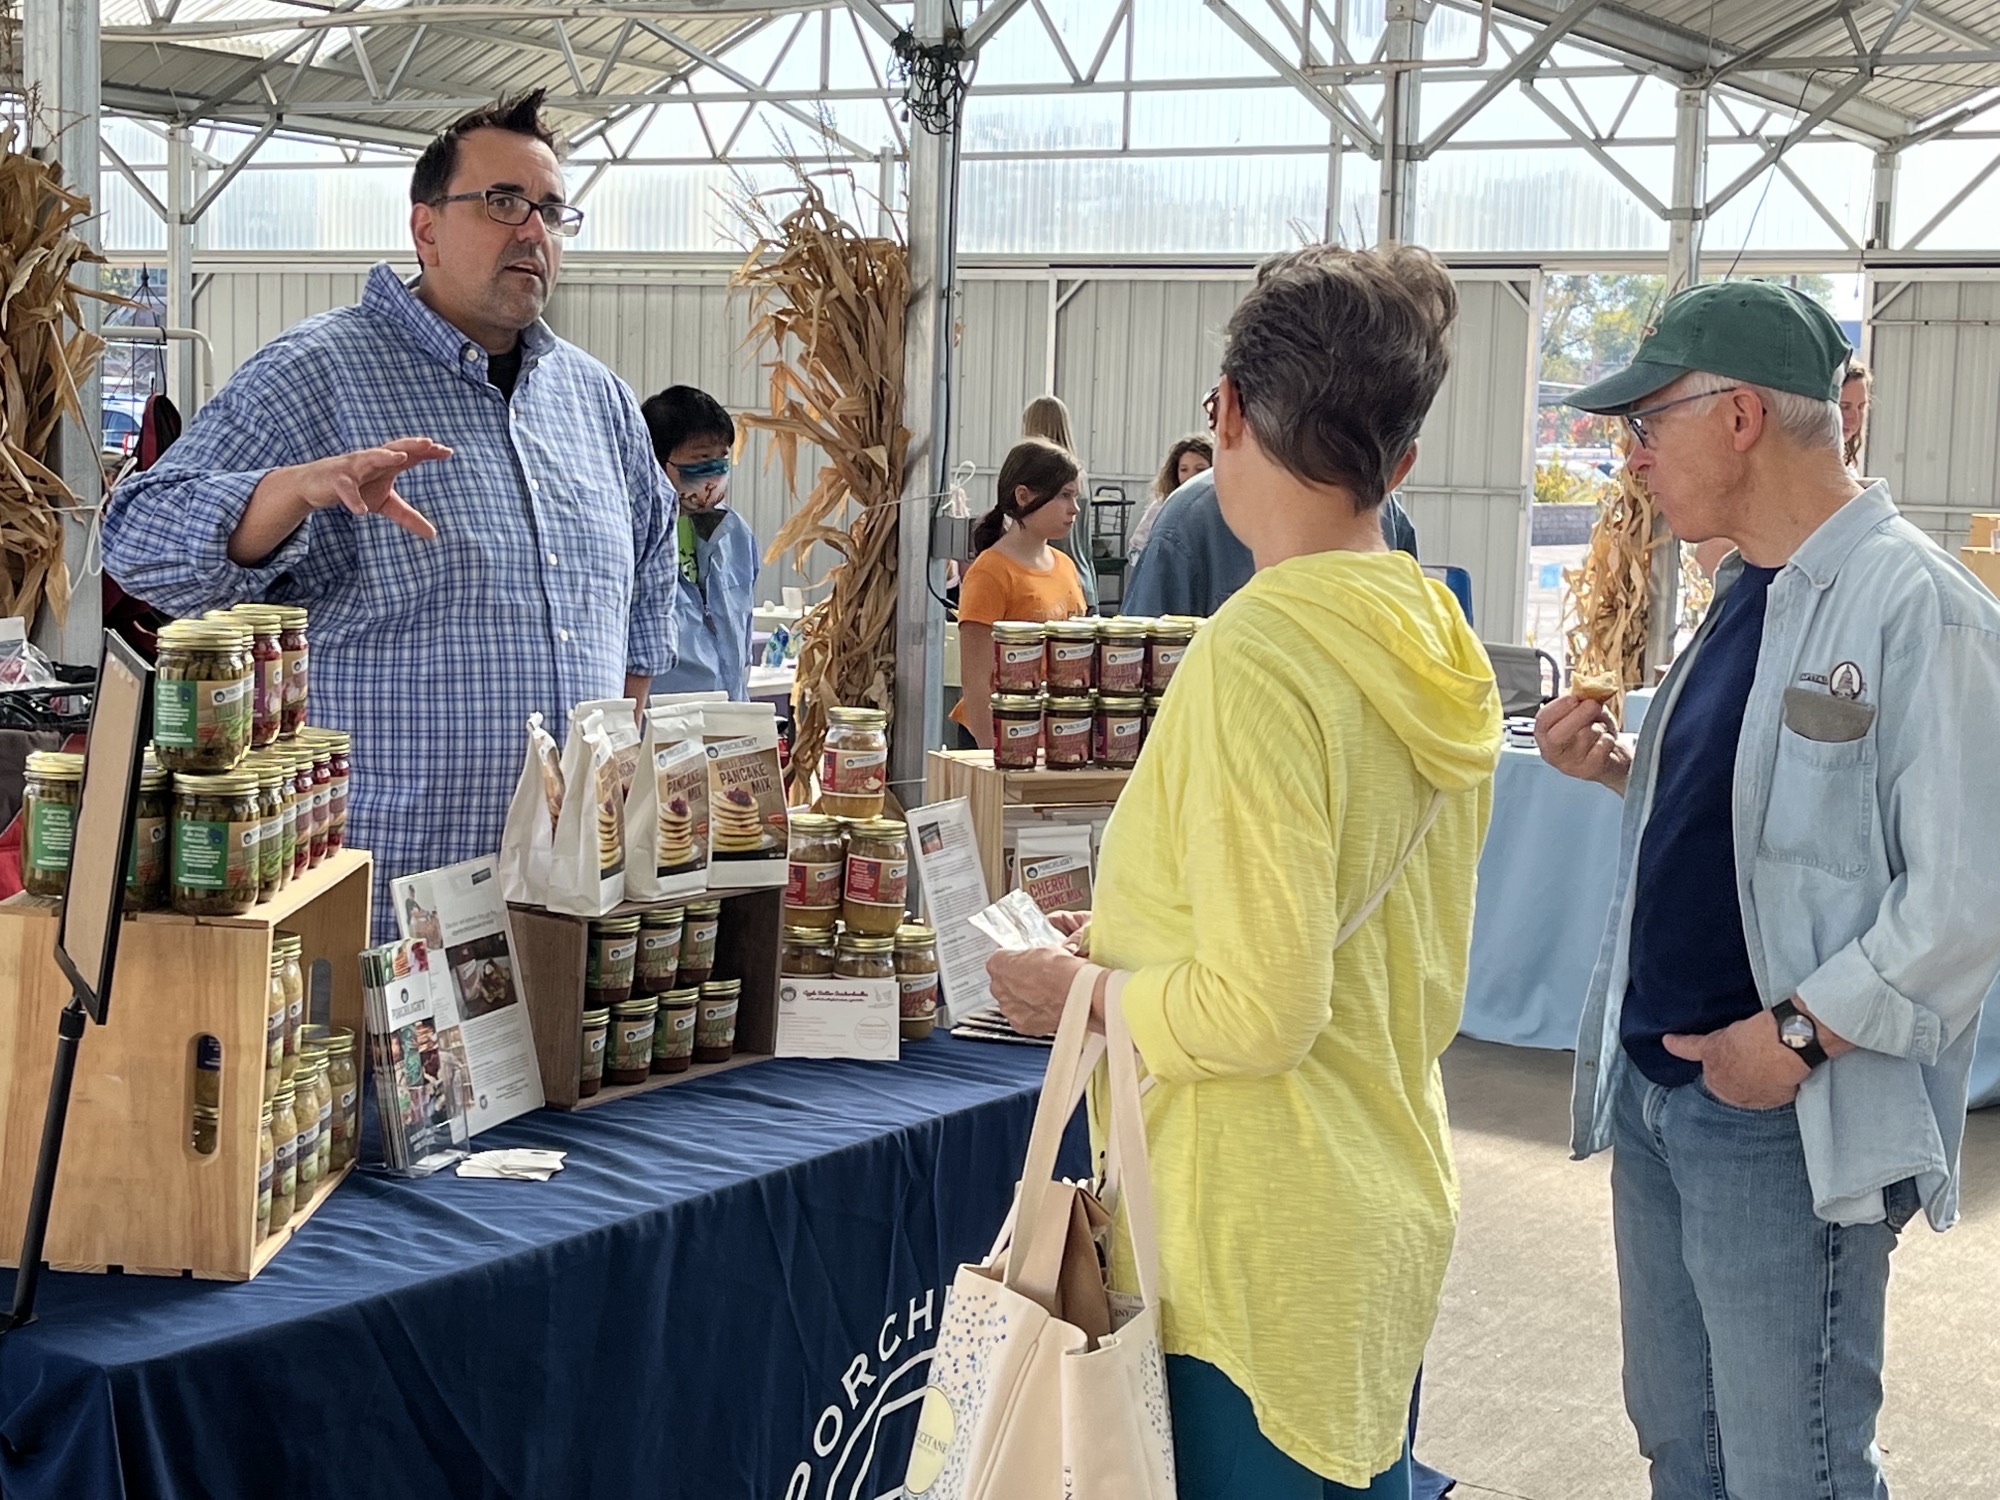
column 1521, row 1394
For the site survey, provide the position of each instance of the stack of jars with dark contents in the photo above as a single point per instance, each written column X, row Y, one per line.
column 847, row 892
column 652, row 1003
column 1073, row 695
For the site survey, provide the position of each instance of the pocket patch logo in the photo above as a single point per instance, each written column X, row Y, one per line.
column 1846, row 681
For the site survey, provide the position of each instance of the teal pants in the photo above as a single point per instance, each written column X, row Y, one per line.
column 1222, row 1455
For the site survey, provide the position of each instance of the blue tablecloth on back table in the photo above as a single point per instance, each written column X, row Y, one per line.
column 730, row 1291
column 1545, row 883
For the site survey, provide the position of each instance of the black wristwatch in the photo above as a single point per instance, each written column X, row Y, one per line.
column 1797, row 1030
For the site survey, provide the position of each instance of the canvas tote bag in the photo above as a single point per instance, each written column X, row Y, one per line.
column 1044, row 1384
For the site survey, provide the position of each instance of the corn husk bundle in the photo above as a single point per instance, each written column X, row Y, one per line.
column 1609, row 601
column 45, row 355
column 829, row 302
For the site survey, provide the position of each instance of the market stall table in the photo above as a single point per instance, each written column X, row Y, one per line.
column 731, row 1289
column 1545, row 884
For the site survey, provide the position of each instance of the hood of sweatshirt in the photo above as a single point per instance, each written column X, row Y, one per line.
column 1403, row 639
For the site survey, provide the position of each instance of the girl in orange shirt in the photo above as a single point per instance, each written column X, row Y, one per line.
column 1016, row 574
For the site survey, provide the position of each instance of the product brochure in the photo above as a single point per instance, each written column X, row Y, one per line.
column 422, row 1083
column 460, row 913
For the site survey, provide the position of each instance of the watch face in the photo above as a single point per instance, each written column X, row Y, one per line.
column 1797, row 1033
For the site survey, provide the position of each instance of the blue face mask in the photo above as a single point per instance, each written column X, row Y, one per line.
column 703, row 469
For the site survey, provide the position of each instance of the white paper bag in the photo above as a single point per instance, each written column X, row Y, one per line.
column 528, row 842
column 1052, row 864
column 746, row 797
column 666, row 852
column 587, row 871
column 621, row 730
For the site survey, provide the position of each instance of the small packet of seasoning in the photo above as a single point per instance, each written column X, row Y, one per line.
column 587, row 871
column 666, row 811
column 1016, row 924
column 528, row 842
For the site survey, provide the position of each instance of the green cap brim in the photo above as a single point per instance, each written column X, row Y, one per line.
column 1625, row 390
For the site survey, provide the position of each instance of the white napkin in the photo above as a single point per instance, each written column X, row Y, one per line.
column 521, row 1164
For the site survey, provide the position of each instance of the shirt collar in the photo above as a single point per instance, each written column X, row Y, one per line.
column 389, row 297
column 1821, row 555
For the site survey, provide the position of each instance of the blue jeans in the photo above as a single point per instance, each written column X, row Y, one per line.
column 1221, row 1454
column 1753, row 1330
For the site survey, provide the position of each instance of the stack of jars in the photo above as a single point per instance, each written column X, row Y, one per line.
column 1082, row 693
column 311, row 1121
column 651, row 1001
column 845, row 912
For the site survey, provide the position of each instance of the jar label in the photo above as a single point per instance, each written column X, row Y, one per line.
column 295, row 678
column 1166, row 658
column 813, row 887
column 681, row 1020
column 877, row 882
column 271, row 850
column 274, row 1039
column 593, row 1043
column 657, row 948
column 286, row 1150
column 216, row 856
column 309, row 1137
column 270, row 700
column 347, row 1098
column 266, row 1170
column 51, row 835
column 919, row 993
column 1071, row 652
column 1069, row 738
column 148, row 864
column 1021, row 656
column 187, row 715
column 853, row 773
column 700, row 941
column 1018, row 730
column 618, row 954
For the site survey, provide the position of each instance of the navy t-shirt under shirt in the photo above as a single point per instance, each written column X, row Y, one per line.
column 1690, row 964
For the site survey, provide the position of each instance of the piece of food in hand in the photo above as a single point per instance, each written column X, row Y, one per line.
column 1599, row 687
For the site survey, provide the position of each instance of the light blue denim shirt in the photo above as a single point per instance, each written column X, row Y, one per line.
column 1867, row 851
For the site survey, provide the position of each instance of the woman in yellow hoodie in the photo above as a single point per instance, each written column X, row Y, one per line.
column 1330, row 739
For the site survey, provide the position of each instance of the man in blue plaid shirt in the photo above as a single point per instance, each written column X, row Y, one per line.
column 469, row 506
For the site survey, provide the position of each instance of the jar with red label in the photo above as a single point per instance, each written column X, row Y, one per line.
column 298, row 655
column 818, row 859
column 310, row 810
column 1166, row 643
column 1121, row 657
column 267, row 692
column 1069, row 732
column 1017, row 731
column 340, row 749
column 916, row 979
column 1121, row 726
column 878, row 877
column 322, row 769
column 1072, row 656
column 854, row 766
column 1018, row 657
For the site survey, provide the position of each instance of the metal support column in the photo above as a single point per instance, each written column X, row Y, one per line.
column 932, row 221
column 180, row 266
column 1403, row 42
column 60, row 71
column 1684, row 230
column 1335, row 139
column 1882, row 201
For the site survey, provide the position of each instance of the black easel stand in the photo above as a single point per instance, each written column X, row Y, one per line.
column 70, row 1033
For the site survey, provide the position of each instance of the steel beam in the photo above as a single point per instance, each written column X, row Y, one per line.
column 1684, row 233
column 1396, row 202
column 1882, row 201
column 1530, row 58
column 181, row 219
column 1595, row 148
column 131, row 175
column 1358, row 130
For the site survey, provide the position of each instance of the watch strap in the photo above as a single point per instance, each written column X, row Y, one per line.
column 1812, row 1054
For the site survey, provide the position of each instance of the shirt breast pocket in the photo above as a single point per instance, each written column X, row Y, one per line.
column 1822, row 785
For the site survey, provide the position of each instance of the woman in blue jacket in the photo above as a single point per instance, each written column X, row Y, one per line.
column 693, row 436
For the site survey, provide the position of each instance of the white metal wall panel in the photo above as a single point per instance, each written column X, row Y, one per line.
column 1003, row 364
column 242, row 308
column 1934, row 420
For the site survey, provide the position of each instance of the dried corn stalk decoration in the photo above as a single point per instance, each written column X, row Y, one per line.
column 829, row 302
column 45, row 355
column 1609, row 598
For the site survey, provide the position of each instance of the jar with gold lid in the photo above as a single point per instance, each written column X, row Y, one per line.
column 340, row 760
column 1072, row 656
column 266, row 1171
column 218, row 822
column 702, row 927
column 1167, row 641
column 629, row 1058
column 1019, row 657
column 285, row 1156
column 343, row 1081
column 660, row 934
column 1017, row 731
column 292, row 713
column 274, row 871
column 48, row 820
column 289, row 947
column 715, row 1020
column 878, row 877
column 817, row 860
column 590, row 1071
column 306, row 1113
column 862, row 957
column 267, row 689
column 1121, row 724
column 276, row 1007
column 146, row 884
column 805, row 953
column 202, row 711
column 1069, row 732
column 916, row 979
column 1121, row 656
column 854, row 766
column 610, row 962
column 673, row 1032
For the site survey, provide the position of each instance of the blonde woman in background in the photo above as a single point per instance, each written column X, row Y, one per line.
column 1046, row 417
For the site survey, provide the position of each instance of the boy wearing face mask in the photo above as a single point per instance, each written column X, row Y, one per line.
column 693, row 437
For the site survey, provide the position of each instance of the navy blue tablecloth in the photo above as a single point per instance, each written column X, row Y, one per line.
column 731, row 1290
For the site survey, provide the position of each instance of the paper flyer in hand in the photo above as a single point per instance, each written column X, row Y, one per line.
column 460, row 913
column 946, row 852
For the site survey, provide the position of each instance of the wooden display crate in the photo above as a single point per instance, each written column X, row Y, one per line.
column 969, row 774
column 1984, row 563
column 551, row 951
column 132, row 1193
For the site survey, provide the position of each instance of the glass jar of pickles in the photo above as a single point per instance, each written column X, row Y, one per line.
column 854, row 766
column 862, row 957
column 216, row 844
column 1167, row 641
column 660, row 933
column 274, row 867
column 1072, row 656
column 267, row 686
column 611, row 962
column 878, row 877
column 590, row 1070
column 202, row 709
column 630, row 1057
column 813, row 887
column 207, row 1129
column 48, row 820
column 146, row 884
column 698, row 941
column 289, row 946
column 1018, row 657
column 805, row 953
column 292, row 712
column 1069, row 732
column 285, row 1156
column 1121, row 724
column 343, row 1081
column 267, row 1161
column 715, row 1020
column 1121, row 657
column 1017, row 731
column 673, row 1032
column 277, row 1007
column 306, row 1112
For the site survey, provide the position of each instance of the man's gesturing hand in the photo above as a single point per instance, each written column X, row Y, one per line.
column 365, row 482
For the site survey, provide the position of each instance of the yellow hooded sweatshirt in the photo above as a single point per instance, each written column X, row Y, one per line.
column 1301, row 1161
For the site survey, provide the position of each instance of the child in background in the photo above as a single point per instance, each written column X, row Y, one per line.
column 692, row 438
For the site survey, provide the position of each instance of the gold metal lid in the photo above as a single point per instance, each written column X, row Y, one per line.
column 597, row 1018
column 617, row 926
column 704, row 908
column 1083, row 628
column 288, row 942
column 807, row 935
column 915, row 935
column 638, row 1005
column 1018, row 632
column 54, row 765
column 1123, row 705
column 293, row 615
column 853, row 942
column 214, row 633
column 880, row 828
column 1080, row 703
column 717, row 989
column 813, row 823
column 221, row 784
column 687, row 996
column 1017, row 703
column 1128, row 627
column 265, row 619
column 858, row 718
column 663, row 916
column 1176, row 625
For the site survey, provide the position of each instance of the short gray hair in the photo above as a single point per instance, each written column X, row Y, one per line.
column 1809, row 421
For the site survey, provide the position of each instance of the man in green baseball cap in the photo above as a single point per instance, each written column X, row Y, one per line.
column 1777, row 1046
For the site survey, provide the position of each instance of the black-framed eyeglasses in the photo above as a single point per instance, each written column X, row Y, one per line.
column 1635, row 420
column 502, row 207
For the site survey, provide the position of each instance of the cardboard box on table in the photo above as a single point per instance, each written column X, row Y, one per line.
column 992, row 794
